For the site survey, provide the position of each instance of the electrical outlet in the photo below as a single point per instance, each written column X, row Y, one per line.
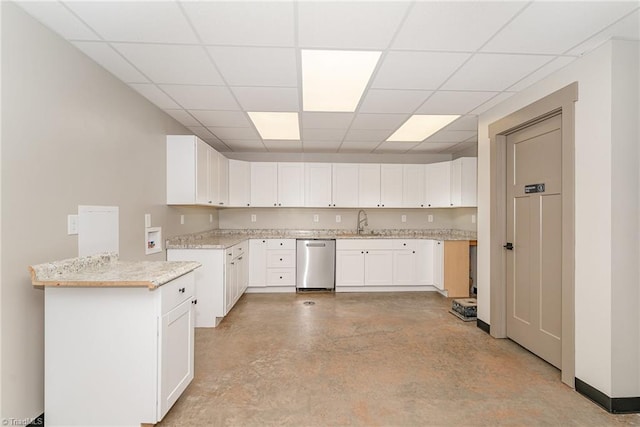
column 473, row 218
column 316, row 218
column 253, row 218
column 72, row 224
column 338, row 218
column 403, row 218
column 182, row 219
column 429, row 218
column 147, row 220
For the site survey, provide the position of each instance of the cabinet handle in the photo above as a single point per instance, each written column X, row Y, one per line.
column 233, row 263
column 367, row 251
column 429, row 204
column 404, row 244
column 239, row 258
column 264, row 241
column 329, row 204
column 413, row 252
column 280, row 244
column 181, row 290
column 281, row 277
column 229, row 254
column 362, row 252
column 221, row 203
column 280, row 259
column 195, row 301
column 248, row 204
column 378, row 205
column 383, row 206
column 279, row 204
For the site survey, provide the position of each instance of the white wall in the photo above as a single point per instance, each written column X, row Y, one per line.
column 72, row 134
column 302, row 218
column 600, row 150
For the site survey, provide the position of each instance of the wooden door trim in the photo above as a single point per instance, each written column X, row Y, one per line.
column 560, row 101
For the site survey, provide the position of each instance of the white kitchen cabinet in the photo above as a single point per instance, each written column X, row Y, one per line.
column 345, row 185
column 464, row 182
column 272, row 264
column 438, row 264
column 364, row 262
column 378, row 267
column 317, row 185
column 264, row 184
column 203, row 164
column 257, row 263
column 239, row 183
column 391, row 186
column 369, row 185
column 349, row 267
column 413, row 186
column 291, row 184
column 222, row 180
column 235, row 275
column 404, row 264
column 438, row 185
column 425, row 262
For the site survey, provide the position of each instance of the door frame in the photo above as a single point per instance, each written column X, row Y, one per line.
column 561, row 101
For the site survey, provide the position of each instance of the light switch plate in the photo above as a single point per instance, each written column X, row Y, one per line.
column 72, row 224
column 403, row 218
column 429, row 218
column 316, row 218
column 182, row 219
column 253, row 218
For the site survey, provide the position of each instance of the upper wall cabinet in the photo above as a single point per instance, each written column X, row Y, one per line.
column 196, row 175
column 290, row 184
column 391, row 186
column 317, row 185
column 413, row 186
column 369, row 185
column 239, row 183
column 464, row 176
column 345, row 185
column 437, row 185
column 277, row 184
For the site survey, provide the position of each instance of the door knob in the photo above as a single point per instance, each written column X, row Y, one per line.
column 508, row 246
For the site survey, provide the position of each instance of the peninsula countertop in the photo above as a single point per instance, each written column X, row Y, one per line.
column 223, row 239
column 105, row 270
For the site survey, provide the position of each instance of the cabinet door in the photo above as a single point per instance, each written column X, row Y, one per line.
column 242, row 266
column 438, row 185
column 239, row 183
column 413, row 186
column 317, row 184
column 391, row 186
column 404, row 267
column 438, row 264
column 264, row 184
column 424, row 262
column 369, row 185
column 291, row 184
column 203, row 157
column 345, row 185
column 230, row 284
column 350, row 268
column 378, row 268
column 464, row 182
column 257, row 263
column 222, row 180
column 176, row 355
column 181, row 169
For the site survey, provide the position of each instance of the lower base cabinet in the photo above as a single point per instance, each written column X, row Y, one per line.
column 117, row 356
column 272, row 265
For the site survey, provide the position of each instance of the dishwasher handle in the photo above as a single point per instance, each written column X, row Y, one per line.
column 316, row 245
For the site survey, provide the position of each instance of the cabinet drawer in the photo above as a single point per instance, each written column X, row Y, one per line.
column 364, row 244
column 239, row 249
column 281, row 277
column 281, row 244
column 405, row 244
column 281, row 259
column 176, row 292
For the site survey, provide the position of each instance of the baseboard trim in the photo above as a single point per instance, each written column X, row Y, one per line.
column 484, row 326
column 614, row 405
column 38, row 421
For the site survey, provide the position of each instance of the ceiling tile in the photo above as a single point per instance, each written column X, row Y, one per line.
column 202, row 97
column 284, row 146
column 317, row 120
column 267, row 98
column 454, row 26
column 392, row 101
column 358, row 146
column 464, row 123
column 112, row 61
column 479, row 74
column 136, row 21
column 243, row 23
column 171, row 64
column 492, row 102
column 395, row 147
column 379, row 121
column 183, row 117
column 58, row 17
column 256, row 66
column 323, row 134
column 555, row 65
column 228, row 134
column 461, row 147
column 451, row 136
column 367, row 135
column 203, row 133
column 417, row 70
column 443, row 102
column 566, row 24
column 320, row 146
column 155, row 95
column 431, row 147
column 222, row 118
column 627, row 28
column 247, row 146
column 356, row 25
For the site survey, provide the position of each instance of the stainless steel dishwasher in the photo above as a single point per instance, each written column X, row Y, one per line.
column 316, row 264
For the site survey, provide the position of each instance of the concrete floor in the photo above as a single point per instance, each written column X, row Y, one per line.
column 385, row 359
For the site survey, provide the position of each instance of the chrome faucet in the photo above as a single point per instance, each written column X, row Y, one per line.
column 364, row 220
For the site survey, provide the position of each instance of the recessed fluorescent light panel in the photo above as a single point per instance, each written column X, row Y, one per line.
column 276, row 125
column 420, row 127
column 334, row 80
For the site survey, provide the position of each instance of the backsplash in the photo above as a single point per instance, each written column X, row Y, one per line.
column 303, row 218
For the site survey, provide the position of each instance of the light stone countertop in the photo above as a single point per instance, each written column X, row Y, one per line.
column 223, row 239
column 105, row 270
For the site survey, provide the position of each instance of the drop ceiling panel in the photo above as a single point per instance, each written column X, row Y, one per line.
column 112, row 61
column 460, row 147
column 392, row 101
column 243, row 23
column 480, row 72
column 323, row 134
column 417, row 70
column 320, row 146
column 627, row 28
column 556, row 64
column 247, row 146
column 256, row 66
column 183, row 117
column 455, row 26
column 136, row 21
column 203, row 133
column 464, row 123
column 367, row 135
column 171, row 64
column 352, row 25
column 451, row 136
column 379, row 121
column 222, row 118
column 155, row 95
column 431, row 147
column 492, row 103
column 395, row 147
column 58, row 17
column 443, row 102
column 317, row 120
column 283, row 146
column 229, row 134
column 202, row 97
column 267, row 98
column 557, row 26
column 358, row 146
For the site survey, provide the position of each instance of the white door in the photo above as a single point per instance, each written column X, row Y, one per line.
column 264, row 184
column 291, row 184
column 369, row 185
column 438, row 185
column 404, row 267
column 378, row 267
column 257, row 263
column 202, row 172
column 239, row 183
column 350, row 268
column 391, row 186
column 345, row 185
column 534, row 238
column 413, row 186
column 317, row 184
